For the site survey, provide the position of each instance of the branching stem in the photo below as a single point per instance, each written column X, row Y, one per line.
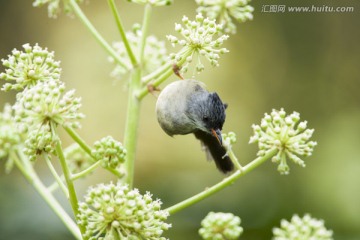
column 223, row 184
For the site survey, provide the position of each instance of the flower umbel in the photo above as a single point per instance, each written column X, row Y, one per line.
column 220, row 226
column 40, row 108
column 54, row 7
column 284, row 133
column 198, row 40
column 113, row 211
column 225, row 10
column 302, row 228
column 155, row 53
column 110, row 152
column 153, row 2
column 9, row 135
column 28, row 67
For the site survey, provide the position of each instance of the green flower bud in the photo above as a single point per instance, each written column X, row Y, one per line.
column 220, row 226
column 110, row 152
column 302, row 228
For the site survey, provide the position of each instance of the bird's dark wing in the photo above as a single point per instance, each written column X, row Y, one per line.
column 217, row 151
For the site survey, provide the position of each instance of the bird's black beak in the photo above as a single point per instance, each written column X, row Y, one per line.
column 217, row 133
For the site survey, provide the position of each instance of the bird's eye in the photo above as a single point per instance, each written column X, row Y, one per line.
column 205, row 118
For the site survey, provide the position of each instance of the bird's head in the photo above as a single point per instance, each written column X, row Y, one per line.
column 207, row 111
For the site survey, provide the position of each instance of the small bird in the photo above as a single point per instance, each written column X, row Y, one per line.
column 184, row 107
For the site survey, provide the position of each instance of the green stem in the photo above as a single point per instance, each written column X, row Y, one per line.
column 79, row 13
column 76, row 137
column 131, row 128
column 53, row 186
column 221, row 185
column 70, row 185
column 163, row 77
column 148, row 78
column 233, row 157
column 133, row 109
column 56, row 176
column 33, row 178
column 86, row 171
column 145, row 90
column 144, row 32
column 120, row 27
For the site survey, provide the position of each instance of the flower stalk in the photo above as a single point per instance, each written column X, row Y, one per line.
column 223, row 184
column 31, row 176
column 79, row 13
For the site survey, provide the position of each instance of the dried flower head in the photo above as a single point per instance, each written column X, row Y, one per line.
column 198, row 41
column 155, row 55
column 153, row 2
column 225, row 10
column 54, row 7
column 110, row 152
column 9, row 135
column 28, row 67
column 302, row 228
column 284, row 133
column 113, row 211
column 220, row 226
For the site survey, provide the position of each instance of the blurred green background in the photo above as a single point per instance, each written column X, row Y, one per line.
column 305, row 62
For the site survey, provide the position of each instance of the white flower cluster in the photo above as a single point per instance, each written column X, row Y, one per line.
column 220, row 226
column 113, row 211
column 41, row 105
column 54, row 7
column 200, row 37
column 287, row 135
column 28, row 67
column 302, row 228
column 225, row 10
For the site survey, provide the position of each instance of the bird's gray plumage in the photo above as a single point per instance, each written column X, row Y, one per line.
column 184, row 107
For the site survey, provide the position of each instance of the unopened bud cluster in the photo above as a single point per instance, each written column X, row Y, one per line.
column 229, row 138
column 302, row 228
column 220, row 226
column 200, row 38
column 113, row 211
column 225, row 10
column 286, row 134
column 110, row 152
column 26, row 68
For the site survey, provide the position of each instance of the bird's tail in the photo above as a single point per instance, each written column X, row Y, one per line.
column 216, row 150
